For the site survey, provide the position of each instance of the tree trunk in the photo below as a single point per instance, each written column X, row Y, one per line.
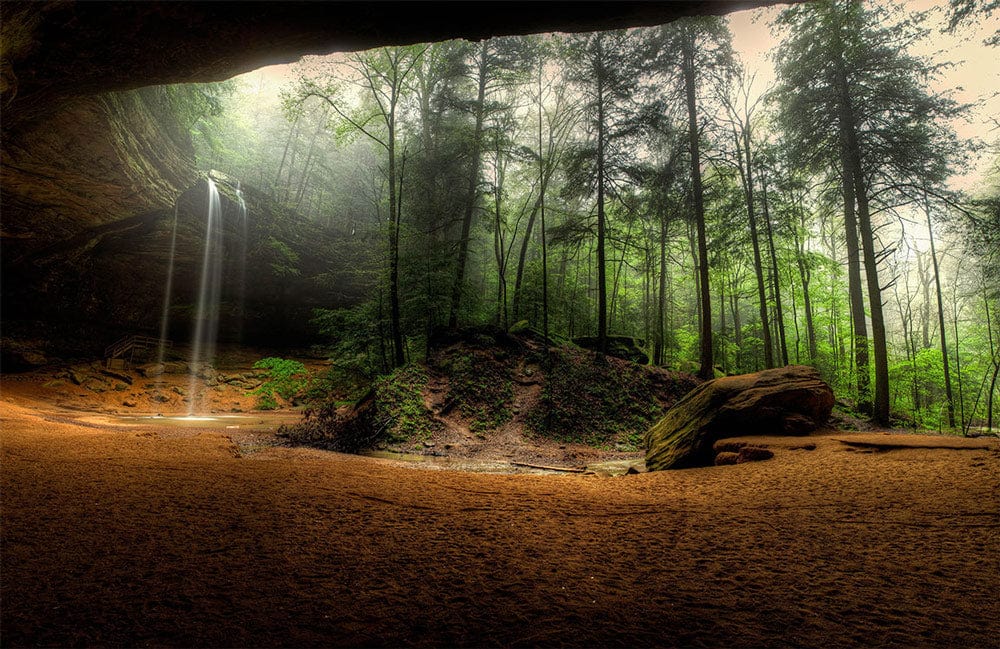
column 925, row 311
column 470, row 205
column 855, row 293
column 805, row 276
column 602, row 289
column 310, row 153
column 780, row 319
column 541, row 208
column 662, row 300
column 394, row 217
column 292, row 133
column 757, row 266
column 499, row 247
column 706, row 370
column 940, row 303
column 881, row 405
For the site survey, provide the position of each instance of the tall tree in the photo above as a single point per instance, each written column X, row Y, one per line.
column 606, row 66
column 381, row 74
column 556, row 121
column 491, row 67
column 741, row 104
column 703, row 43
column 850, row 91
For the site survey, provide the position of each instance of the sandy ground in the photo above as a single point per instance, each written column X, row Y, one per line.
column 145, row 534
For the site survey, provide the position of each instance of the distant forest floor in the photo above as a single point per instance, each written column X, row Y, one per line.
column 142, row 533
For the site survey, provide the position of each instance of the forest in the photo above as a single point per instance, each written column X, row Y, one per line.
column 646, row 184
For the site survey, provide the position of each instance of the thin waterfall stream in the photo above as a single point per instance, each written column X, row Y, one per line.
column 208, row 305
column 241, row 278
column 206, row 319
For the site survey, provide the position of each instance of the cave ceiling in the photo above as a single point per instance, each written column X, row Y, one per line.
column 57, row 50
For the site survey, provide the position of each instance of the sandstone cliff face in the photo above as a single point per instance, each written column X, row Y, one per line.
column 96, row 161
column 89, row 201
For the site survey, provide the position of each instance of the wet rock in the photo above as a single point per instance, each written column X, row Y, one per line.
column 124, row 378
column 792, row 400
column 151, row 370
column 175, row 367
column 95, row 385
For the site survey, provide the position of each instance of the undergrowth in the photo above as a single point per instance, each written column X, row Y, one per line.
column 602, row 402
column 479, row 386
column 284, row 378
column 392, row 411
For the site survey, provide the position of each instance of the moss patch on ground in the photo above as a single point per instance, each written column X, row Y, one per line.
column 602, row 401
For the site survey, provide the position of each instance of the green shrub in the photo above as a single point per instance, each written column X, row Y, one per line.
column 285, row 378
column 400, row 401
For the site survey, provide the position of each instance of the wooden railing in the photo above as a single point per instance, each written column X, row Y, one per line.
column 124, row 349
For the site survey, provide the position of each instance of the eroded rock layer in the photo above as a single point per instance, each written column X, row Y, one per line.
column 791, row 400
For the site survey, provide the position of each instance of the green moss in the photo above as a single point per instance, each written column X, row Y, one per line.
column 479, row 386
column 284, row 378
column 603, row 403
column 400, row 403
column 266, row 402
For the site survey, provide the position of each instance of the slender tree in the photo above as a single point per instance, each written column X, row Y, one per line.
column 850, row 89
column 382, row 75
column 702, row 43
column 606, row 68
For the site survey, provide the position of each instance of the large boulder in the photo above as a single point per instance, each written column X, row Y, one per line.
column 791, row 400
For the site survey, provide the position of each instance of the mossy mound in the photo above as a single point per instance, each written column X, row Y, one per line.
column 480, row 380
column 392, row 411
column 603, row 401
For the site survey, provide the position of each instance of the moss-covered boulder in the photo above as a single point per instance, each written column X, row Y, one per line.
column 626, row 347
column 791, row 400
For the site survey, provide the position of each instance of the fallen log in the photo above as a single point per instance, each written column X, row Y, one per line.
column 549, row 468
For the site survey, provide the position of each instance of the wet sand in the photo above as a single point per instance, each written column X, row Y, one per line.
column 143, row 536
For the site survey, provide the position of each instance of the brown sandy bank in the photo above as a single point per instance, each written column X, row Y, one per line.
column 145, row 536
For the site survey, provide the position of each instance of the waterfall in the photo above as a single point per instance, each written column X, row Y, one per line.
column 206, row 323
column 168, row 289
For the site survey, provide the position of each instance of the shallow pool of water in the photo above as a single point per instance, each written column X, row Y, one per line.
column 257, row 421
